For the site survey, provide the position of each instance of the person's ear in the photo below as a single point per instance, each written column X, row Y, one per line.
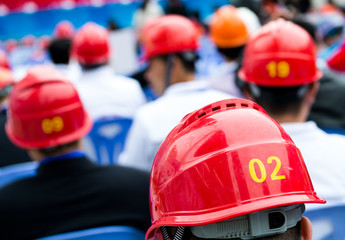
column 306, row 229
column 312, row 92
column 247, row 94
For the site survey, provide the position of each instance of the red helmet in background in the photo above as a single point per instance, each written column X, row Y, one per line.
column 10, row 45
column 337, row 60
column 28, row 40
column 227, row 29
column 4, row 60
column 45, row 111
column 63, row 29
column 169, row 34
column 91, row 45
column 281, row 54
column 6, row 78
column 225, row 160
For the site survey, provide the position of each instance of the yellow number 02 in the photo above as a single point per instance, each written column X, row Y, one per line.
column 262, row 168
column 52, row 125
column 280, row 69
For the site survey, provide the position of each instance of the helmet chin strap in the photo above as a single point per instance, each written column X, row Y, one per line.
column 178, row 235
column 169, row 66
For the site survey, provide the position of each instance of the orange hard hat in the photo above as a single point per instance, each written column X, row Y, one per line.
column 225, row 160
column 227, row 28
column 280, row 54
column 45, row 111
column 91, row 45
column 169, row 34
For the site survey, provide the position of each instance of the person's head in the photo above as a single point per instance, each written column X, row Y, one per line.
column 6, row 83
column 45, row 114
column 279, row 69
column 228, row 32
column 91, row 46
column 229, row 171
column 59, row 51
column 170, row 43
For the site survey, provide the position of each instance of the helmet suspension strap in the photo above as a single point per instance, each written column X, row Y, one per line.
column 178, row 235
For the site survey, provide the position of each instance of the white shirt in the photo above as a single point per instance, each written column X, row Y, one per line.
column 105, row 94
column 155, row 120
column 223, row 78
column 324, row 155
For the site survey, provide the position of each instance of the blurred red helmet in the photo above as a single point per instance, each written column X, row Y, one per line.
column 4, row 60
column 91, row 45
column 63, row 29
column 169, row 34
column 45, row 111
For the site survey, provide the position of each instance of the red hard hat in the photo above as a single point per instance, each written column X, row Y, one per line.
column 227, row 29
column 91, row 45
column 225, row 160
column 169, row 34
column 45, row 111
column 281, row 54
column 28, row 40
column 337, row 60
column 6, row 77
column 63, row 29
column 4, row 60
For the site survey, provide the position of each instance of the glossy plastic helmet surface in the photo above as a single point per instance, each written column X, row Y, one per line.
column 169, row 34
column 64, row 29
column 227, row 29
column 225, row 160
column 90, row 45
column 281, row 54
column 337, row 60
column 45, row 111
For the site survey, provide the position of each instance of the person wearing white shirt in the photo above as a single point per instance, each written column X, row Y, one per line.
column 281, row 75
column 171, row 74
column 103, row 93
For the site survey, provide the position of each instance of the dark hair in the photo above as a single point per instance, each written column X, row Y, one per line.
column 91, row 66
column 57, row 149
column 232, row 53
column 278, row 100
column 188, row 59
column 59, row 50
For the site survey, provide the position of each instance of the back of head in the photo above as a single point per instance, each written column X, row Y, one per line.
column 221, row 172
column 169, row 34
column 281, row 54
column 45, row 111
column 6, row 82
column 59, row 50
column 90, row 45
column 227, row 29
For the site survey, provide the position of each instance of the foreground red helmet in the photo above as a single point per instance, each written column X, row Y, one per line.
column 169, row 34
column 281, row 54
column 225, row 160
column 91, row 45
column 4, row 60
column 45, row 111
column 63, row 29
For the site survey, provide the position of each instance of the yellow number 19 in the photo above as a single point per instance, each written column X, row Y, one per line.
column 280, row 69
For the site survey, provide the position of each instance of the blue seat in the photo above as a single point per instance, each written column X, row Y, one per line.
column 328, row 222
column 334, row 130
column 106, row 140
column 14, row 172
column 101, row 233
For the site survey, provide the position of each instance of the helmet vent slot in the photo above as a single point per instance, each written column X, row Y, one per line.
column 244, row 105
column 215, row 109
column 201, row 115
column 230, row 105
